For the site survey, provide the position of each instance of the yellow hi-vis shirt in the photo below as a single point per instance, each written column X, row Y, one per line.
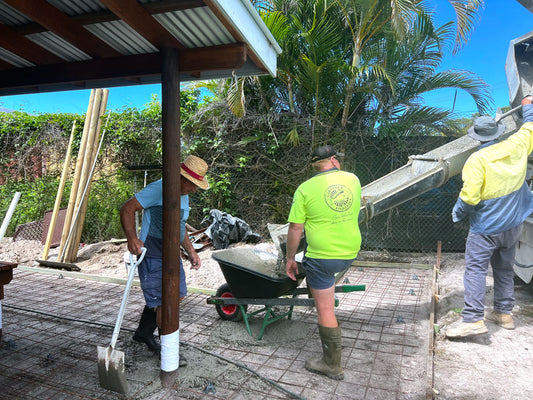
column 328, row 206
column 494, row 194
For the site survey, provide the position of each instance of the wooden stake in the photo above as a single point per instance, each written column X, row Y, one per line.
column 90, row 160
column 59, row 194
column 75, row 180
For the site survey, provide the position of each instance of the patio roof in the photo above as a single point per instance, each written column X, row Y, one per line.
column 59, row 45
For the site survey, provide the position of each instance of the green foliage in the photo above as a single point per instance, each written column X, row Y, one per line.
column 102, row 220
column 132, row 137
column 351, row 74
column 37, row 196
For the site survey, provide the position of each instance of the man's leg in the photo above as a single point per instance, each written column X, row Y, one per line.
column 325, row 306
column 502, row 267
column 479, row 249
column 145, row 330
column 330, row 335
column 150, row 277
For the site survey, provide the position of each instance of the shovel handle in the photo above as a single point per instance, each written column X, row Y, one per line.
column 125, row 297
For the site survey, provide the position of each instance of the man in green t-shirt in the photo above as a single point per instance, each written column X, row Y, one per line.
column 326, row 206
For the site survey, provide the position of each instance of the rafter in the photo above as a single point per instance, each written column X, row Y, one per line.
column 61, row 24
column 107, row 16
column 142, row 21
column 25, row 48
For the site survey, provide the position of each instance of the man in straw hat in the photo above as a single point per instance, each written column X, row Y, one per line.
column 150, row 199
column 497, row 200
column 327, row 207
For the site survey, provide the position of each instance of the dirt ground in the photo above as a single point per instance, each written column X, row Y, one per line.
column 497, row 365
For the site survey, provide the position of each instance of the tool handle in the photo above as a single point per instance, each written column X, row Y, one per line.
column 125, row 297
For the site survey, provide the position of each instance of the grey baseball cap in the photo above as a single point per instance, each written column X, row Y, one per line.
column 323, row 152
column 486, row 129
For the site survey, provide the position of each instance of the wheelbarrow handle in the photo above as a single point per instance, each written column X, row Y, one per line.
column 125, row 297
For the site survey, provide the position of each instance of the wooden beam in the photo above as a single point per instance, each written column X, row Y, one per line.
column 142, row 21
column 25, row 48
column 5, row 65
column 107, row 16
column 127, row 67
column 227, row 56
column 170, row 279
column 61, row 24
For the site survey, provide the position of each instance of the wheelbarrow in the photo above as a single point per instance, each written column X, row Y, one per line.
column 253, row 277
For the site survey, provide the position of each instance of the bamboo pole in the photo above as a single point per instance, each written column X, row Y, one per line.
column 87, row 157
column 59, row 195
column 75, row 180
column 82, row 210
column 93, row 147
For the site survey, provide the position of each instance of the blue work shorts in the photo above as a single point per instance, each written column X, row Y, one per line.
column 150, row 273
column 320, row 272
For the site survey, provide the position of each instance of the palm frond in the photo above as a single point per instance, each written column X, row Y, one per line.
column 468, row 14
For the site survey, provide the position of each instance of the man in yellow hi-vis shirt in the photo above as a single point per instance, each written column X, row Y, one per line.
column 497, row 200
column 327, row 207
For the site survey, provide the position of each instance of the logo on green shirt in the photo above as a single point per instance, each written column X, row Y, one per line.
column 338, row 197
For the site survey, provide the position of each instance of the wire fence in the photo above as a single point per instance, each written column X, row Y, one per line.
column 419, row 224
column 255, row 181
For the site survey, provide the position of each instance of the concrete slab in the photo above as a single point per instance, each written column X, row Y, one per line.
column 53, row 323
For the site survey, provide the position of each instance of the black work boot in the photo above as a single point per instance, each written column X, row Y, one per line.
column 145, row 331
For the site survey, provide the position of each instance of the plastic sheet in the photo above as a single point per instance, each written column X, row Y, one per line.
column 225, row 229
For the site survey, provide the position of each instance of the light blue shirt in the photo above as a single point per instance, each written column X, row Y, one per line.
column 151, row 200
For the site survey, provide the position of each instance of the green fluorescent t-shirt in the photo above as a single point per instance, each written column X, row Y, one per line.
column 328, row 204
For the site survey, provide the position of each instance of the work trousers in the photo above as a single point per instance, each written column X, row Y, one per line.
column 498, row 250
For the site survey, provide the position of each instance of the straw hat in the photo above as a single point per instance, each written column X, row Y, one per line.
column 194, row 169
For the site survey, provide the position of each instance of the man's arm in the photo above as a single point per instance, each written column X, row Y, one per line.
column 293, row 241
column 527, row 109
column 127, row 219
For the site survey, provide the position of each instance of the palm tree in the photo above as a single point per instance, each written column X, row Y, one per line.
column 365, row 19
column 346, row 59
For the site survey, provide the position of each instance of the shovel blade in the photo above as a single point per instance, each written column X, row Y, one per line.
column 111, row 370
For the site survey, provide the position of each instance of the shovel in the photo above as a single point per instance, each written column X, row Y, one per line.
column 111, row 371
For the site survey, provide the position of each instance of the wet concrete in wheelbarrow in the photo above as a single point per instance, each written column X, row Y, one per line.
column 53, row 323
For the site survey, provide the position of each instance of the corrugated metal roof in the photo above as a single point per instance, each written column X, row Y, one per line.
column 39, row 41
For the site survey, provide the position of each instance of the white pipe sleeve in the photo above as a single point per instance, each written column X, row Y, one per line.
column 170, row 351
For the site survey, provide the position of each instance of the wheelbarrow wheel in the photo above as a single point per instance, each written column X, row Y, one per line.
column 230, row 312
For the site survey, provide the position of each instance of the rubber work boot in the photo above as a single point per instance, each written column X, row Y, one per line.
column 330, row 363
column 504, row 320
column 465, row 329
column 145, row 331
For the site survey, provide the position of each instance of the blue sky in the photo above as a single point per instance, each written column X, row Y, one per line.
column 484, row 55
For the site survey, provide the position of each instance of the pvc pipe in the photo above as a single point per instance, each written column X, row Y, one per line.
column 9, row 214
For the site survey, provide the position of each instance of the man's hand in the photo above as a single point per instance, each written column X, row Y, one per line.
column 291, row 268
column 527, row 100
column 135, row 246
column 196, row 263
